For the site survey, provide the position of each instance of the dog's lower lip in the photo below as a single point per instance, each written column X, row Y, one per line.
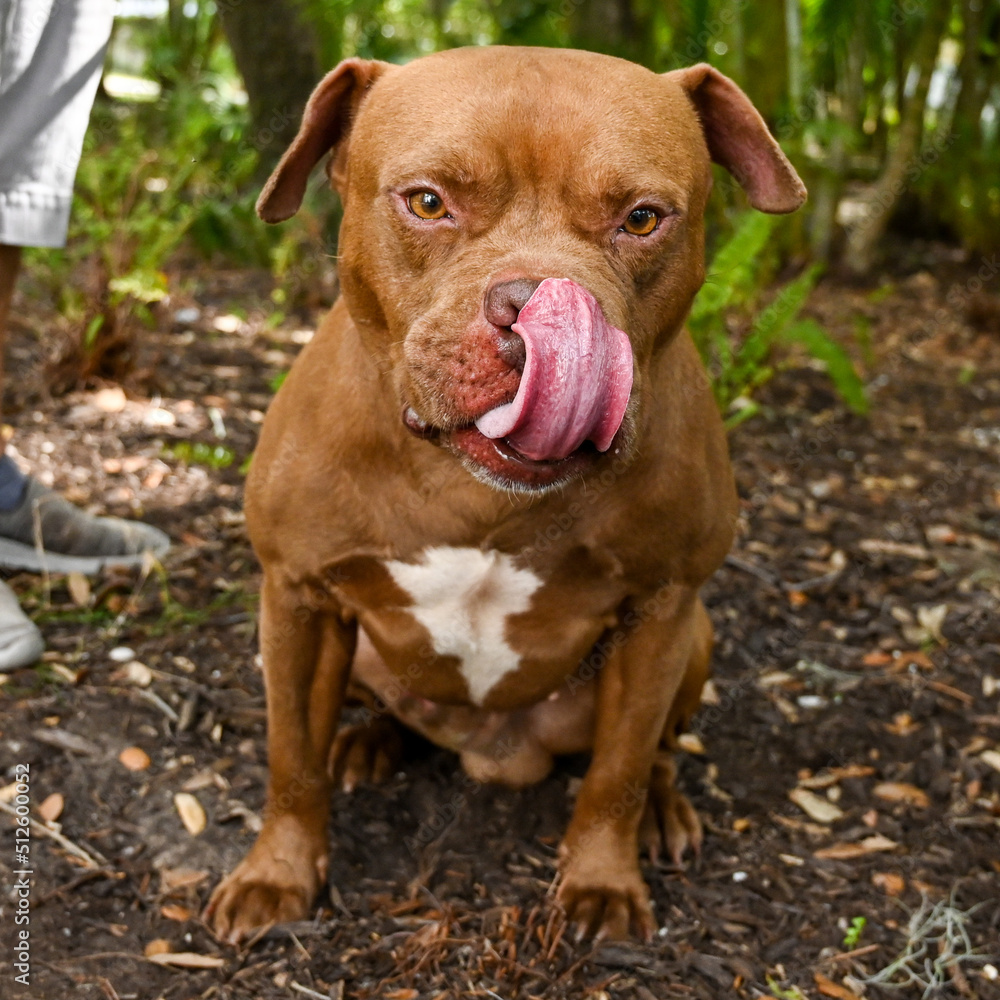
column 417, row 426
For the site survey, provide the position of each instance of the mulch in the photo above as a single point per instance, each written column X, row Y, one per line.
column 846, row 762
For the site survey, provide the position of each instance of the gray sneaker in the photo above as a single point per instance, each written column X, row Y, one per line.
column 46, row 533
column 20, row 641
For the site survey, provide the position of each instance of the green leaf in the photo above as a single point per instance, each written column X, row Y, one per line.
column 839, row 366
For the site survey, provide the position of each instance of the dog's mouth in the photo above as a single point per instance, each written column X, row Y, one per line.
column 576, row 372
column 497, row 462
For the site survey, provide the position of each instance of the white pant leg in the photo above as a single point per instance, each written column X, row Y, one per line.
column 51, row 56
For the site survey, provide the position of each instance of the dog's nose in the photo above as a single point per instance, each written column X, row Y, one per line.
column 504, row 301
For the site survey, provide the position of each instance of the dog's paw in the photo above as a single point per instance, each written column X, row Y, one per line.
column 669, row 823
column 365, row 753
column 606, row 908
column 275, row 883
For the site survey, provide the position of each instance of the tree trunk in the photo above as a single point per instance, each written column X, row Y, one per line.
column 275, row 53
column 865, row 236
column 614, row 27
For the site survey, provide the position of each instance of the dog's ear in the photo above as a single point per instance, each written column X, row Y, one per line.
column 738, row 139
column 326, row 123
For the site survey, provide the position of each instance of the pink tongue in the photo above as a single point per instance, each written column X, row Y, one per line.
column 577, row 376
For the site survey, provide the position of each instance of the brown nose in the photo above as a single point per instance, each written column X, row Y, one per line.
column 504, row 301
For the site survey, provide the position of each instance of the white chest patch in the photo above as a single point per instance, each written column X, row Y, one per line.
column 463, row 597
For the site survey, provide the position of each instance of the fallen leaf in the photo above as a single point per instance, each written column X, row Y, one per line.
column 817, row 808
column 846, row 852
column 931, row 620
column 134, row 672
column 134, row 758
column 403, row 994
column 902, row 724
column 889, row 882
column 174, row 912
column 991, row 757
column 831, row 989
column 188, row 960
column 79, row 589
column 158, row 946
column 110, row 400
column 51, row 808
column 191, row 813
column 709, row 693
column 878, row 658
column 900, row 791
column 691, row 743
column 173, row 879
column 835, row 775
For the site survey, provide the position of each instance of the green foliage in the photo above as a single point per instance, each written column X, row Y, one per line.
column 216, row 456
column 737, row 338
column 853, row 935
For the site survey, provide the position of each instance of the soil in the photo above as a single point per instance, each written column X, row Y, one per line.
column 858, row 659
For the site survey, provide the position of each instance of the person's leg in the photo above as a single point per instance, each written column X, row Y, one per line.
column 20, row 641
column 51, row 56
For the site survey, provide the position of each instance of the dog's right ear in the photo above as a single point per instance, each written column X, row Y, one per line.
column 326, row 123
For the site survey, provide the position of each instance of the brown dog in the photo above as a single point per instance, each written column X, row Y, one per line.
column 484, row 500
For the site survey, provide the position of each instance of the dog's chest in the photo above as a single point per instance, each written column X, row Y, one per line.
column 465, row 599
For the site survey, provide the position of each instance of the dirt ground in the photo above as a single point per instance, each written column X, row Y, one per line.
column 846, row 763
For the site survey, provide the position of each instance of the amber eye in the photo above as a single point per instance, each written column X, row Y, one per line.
column 641, row 222
column 426, row 205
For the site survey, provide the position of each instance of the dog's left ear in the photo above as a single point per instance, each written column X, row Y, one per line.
column 738, row 139
column 326, row 123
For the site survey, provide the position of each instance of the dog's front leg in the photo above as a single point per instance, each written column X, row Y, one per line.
column 601, row 887
column 307, row 658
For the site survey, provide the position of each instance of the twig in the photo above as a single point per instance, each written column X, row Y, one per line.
column 758, row 571
column 155, row 700
column 846, row 956
column 88, row 876
column 305, row 991
column 94, row 860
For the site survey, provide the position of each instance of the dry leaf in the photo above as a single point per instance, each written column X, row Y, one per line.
column 691, row 743
column 403, row 994
column 846, row 852
column 136, row 673
column 836, row 774
column 134, row 758
column 817, row 808
column 188, row 960
column 831, row 989
column 174, row 912
column 991, row 757
column 931, row 620
column 174, row 879
column 902, row 724
column 709, row 692
column 889, row 882
column 191, row 813
column 51, row 809
column 900, row 791
column 877, row 658
column 79, row 589
column 159, row 946
column 110, row 400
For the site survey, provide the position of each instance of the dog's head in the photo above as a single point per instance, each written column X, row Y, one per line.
column 522, row 233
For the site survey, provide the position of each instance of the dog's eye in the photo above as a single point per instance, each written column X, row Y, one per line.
column 641, row 222
column 426, row 205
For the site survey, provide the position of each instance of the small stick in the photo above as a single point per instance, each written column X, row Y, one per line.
column 95, row 860
column 305, row 991
column 857, row 953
